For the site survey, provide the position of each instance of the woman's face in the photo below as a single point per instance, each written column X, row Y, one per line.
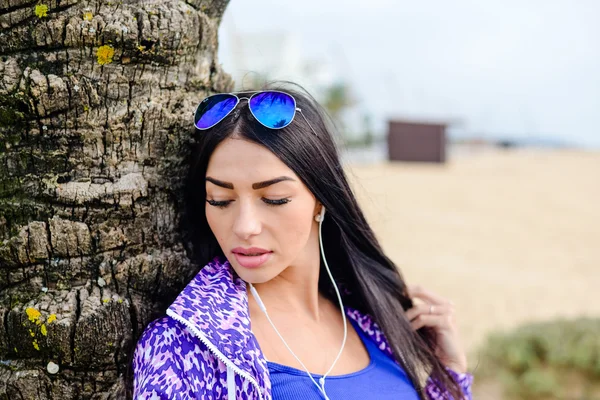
column 277, row 217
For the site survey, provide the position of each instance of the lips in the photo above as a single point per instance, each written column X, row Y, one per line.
column 251, row 257
column 251, row 251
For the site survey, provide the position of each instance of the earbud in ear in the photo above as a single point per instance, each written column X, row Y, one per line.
column 321, row 215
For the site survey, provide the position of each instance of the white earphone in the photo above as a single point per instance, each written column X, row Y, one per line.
column 321, row 215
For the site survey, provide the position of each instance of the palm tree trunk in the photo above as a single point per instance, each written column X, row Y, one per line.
column 96, row 105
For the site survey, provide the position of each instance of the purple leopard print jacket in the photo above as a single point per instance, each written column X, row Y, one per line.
column 204, row 348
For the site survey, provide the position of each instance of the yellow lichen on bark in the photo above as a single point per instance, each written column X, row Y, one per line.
column 105, row 54
column 33, row 314
column 41, row 10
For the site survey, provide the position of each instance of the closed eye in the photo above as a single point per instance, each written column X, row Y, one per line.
column 269, row 202
column 219, row 204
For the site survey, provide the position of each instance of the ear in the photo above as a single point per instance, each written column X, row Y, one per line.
column 317, row 210
column 321, row 215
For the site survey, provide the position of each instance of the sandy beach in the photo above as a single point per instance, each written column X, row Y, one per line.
column 509, row 236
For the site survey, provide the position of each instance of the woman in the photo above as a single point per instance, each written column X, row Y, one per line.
column 296, row 299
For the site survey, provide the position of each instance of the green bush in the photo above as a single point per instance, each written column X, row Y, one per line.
column 548, row 360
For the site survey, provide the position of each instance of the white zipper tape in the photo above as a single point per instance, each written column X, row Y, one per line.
column 216, row 351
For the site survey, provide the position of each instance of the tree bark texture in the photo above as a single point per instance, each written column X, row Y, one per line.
column 96, row 106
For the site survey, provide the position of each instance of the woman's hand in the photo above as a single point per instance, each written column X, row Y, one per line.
column 438, row 313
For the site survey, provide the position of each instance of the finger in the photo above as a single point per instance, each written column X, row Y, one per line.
column 428, row 309
column 427, row 295
column 432, row 320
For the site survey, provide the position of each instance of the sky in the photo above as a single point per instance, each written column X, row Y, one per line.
column 501, row 68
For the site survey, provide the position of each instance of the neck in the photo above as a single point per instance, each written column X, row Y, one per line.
column 294, row 291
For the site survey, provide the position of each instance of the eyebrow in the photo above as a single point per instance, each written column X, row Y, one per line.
column 255, row 186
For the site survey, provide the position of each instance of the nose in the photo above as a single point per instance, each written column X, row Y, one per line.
column 247, row 221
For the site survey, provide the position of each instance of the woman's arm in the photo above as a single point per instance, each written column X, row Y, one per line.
column 438, row 313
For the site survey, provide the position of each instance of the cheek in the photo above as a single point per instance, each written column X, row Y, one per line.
column 215, row 223
column 295, row 227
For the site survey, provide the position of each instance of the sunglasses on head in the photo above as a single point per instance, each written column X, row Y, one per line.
column 273, row 109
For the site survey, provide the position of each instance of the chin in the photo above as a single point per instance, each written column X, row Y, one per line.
column 258, row 275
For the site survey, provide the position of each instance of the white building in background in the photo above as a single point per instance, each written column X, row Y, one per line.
column 255, row 57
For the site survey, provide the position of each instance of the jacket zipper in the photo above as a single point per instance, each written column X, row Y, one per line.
column 215, row 351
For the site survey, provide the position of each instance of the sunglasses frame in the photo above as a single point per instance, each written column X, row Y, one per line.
column 239, row 99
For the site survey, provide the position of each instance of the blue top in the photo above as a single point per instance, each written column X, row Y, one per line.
column 382, row 379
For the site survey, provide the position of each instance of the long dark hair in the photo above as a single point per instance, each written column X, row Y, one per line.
column 373, row 283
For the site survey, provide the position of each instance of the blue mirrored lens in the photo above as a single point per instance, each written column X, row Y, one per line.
column 213, row 109
column 274, row 110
